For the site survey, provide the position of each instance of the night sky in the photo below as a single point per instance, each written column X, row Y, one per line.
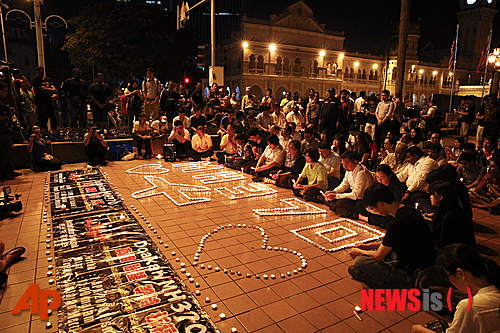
column 366, row 23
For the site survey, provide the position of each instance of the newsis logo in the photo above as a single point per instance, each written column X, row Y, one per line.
column 407, row 299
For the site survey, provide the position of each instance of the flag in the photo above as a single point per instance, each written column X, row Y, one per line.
column 485, row 52
column 453, row 54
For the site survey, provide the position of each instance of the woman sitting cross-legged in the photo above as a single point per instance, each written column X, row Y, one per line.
column 316, row 176
column 41, row 161
column 293, row 166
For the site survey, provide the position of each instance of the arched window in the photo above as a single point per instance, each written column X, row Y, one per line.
column 315, row 68
column 297, row 67
column 346, row 73
column 286, row 66
column 279, row 65
column 370, row 77
column 260, row 63
column 363, row 76
column 359, row 74
column 296, row 95
column 375, row 75
column 425, row 79
column 351, row 74
column 251, row 64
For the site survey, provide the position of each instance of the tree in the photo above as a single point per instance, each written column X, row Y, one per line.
column 121, row 40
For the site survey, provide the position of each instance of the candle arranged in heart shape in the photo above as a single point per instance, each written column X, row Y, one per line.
column 265, row 246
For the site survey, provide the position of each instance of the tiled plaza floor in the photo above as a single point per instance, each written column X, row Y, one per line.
column 321, row 298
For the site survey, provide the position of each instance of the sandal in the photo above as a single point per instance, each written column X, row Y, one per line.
column 16, row 259
column 23, row 250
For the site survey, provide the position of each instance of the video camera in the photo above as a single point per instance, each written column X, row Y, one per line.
column 7, row 203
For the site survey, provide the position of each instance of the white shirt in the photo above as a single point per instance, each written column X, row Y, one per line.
column 483, row 316
column 390, row 160
column 274, row 155
column 159, row 126
column 357, row 104
column 298, row 119
column 413, row 175
column 186, row 122
column 332, row 161
column 384, row 109
column 205, row 142
column 185, row 136
column 140, row 129
column 358, row 180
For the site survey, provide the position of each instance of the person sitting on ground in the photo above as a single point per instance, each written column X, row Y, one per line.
column 401, row 160
column 388, row 153
column 201, row 144
column 416, row 138
column 487, row 193
column 197, row 119
column 244, row 154
column 385, row 176
column 357, row 179
column 468, row 271
column 159, row 128
column 315, row 175
column 413, row 175
column 339, row 145
column 486, row 153
column 95, row 147
column 264, row 119
column 142, row 135
column 285, row 136
column 227, row 120
column 469, row 171
column 271, row 160
column 274, row 130
column 436, row 153
column 362, row 148
column 292, row 168
column 309, row 140
column 454, row 153
column 407, row 245
column 279, row 118
column 331, row 162
column 259, row 144
column 183, row 112
column 40, row 160
column 296, row 117
column 180, row 137
column 295, row 134
column 228, row 145
column 450, row 223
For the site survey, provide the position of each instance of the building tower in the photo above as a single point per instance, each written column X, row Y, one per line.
column 475, row 18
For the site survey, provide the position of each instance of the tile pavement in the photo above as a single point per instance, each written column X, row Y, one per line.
column 319, row 299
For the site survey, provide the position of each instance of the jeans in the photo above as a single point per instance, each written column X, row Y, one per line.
column 77, row 113
column 380, row 274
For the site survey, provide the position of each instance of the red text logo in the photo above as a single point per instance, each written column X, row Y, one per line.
column 39, row 302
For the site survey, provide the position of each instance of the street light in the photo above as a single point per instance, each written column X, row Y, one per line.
column 375, row 66
column 322, row 53
column 272, row 47
column 420, row 71
column 244, row 44
column 356, row 64
column 39, row 27
column 434, row 73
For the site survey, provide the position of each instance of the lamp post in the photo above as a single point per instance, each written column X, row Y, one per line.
column 494, row 60
column 39, row 26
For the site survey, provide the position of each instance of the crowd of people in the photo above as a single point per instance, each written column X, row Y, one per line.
column 358, row 154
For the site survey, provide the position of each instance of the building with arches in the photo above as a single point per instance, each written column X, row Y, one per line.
column 293, row 52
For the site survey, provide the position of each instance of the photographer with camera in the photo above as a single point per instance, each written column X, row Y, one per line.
column 43, row 90
column 41, row 161
column 95, row 147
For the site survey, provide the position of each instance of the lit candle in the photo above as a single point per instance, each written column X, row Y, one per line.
column 63, row 207
column 122, row 218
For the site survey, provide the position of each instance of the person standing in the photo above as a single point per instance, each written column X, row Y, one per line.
column 313, row 110
column 249, row 102
column 384, row 112
column 6, row 130
column 100, row 95
column 169, row 101
column 76, row 90
column 43, row 102
column 491, row 118
column 329, row 115
column 287, row 103
column 134, row 101
column 151, row 88
column 27, row 102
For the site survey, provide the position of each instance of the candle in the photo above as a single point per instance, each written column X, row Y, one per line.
column 122, row 218
column 241, row 170
column 63, row 207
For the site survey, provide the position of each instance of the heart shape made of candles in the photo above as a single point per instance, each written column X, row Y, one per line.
column 147, row 169
column 264, row 246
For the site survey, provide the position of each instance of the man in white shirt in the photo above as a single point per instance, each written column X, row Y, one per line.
column 272, row 159
column 264, row 119
column 141, row 132
column 297, row 118
column 183, row 117
column 249, row 102
column 180, row 137
column 202, row 146
column 359, row 101
column 331, row 162
column 414, row 175
column 384, row 112
column 357, row 178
